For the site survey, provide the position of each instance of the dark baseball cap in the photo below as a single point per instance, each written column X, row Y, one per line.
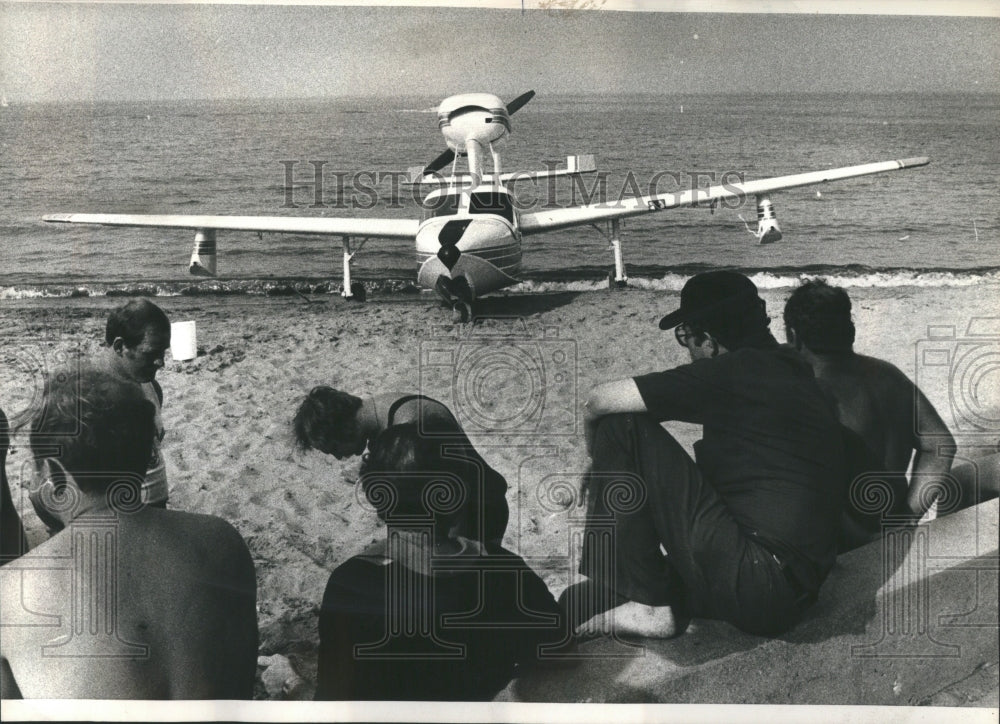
column 712, row 297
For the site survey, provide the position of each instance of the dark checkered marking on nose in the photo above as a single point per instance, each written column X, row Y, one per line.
column 451, row 234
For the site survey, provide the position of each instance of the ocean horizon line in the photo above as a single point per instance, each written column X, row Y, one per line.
column 14, row 102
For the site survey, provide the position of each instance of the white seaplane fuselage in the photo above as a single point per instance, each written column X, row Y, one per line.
column 469, row 234
column 481, row 223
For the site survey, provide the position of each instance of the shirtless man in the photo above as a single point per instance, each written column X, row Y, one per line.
column 879, row 407
column 137, row 337
column 126, row 600
column 340, row 424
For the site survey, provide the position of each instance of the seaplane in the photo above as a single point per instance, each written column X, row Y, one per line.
column 469, row 241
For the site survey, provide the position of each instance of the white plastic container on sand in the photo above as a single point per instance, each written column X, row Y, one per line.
column 183, row 341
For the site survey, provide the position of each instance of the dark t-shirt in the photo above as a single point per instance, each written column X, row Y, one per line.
column 481, row 620
column 771, row 444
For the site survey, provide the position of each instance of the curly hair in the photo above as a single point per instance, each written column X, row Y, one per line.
column 326, row 417
column 820, row 314
column 102, row 426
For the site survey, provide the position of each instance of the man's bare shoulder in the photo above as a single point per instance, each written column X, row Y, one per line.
column 57, row 546
column 211, row 526
column 197, row 531
column 880, row 370
column 169, row 530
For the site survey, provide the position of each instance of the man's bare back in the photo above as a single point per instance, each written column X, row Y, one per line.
column 893, row 433
column 877, row 402
column 155, row 604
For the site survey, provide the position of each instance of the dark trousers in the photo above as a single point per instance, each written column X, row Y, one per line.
column 645, row 492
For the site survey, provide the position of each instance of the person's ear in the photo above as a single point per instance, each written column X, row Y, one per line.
column 793, row 338
column 118, row 345
column 713, row 346
column 709, row 345
column 56, row 498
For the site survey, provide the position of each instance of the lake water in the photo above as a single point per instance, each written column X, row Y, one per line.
column 936, row 225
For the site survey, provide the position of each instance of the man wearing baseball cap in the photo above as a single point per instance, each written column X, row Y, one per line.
column 745, row 534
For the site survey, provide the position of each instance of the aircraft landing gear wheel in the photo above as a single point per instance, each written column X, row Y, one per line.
column 358, row 292
column 461, row 312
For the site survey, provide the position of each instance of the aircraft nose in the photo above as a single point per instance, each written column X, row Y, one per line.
column 451, row 233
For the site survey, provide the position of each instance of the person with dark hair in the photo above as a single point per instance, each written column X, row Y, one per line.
column 146, row 603
column 887, row 419
column 137, row 336
column 746, row 533
column 343, row 425
column 12, row 540
column 821, row 314
column 439, row 616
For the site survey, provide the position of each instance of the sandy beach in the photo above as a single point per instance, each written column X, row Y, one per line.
column 517, row 382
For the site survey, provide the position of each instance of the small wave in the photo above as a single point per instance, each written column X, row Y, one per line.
column 578, row 280
column 891, row 279
column 783, row 279
column 208, row 288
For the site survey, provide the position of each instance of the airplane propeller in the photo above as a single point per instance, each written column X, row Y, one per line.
column 515, row 105
column 447, row 156
column 440, row 162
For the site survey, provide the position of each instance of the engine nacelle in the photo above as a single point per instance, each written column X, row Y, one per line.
column 768, row 230
column 203, row 256
column 480, row 117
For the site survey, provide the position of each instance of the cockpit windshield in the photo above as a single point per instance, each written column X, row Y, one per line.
column 444, row 205
column 491, row 202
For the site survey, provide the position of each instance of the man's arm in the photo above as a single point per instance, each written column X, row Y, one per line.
column 935, row 449
column 620, row 396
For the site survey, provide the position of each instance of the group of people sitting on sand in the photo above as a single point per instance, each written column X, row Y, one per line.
column 746, row 532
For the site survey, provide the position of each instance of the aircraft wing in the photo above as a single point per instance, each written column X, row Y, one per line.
column 384, row 228
column 549, row 219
